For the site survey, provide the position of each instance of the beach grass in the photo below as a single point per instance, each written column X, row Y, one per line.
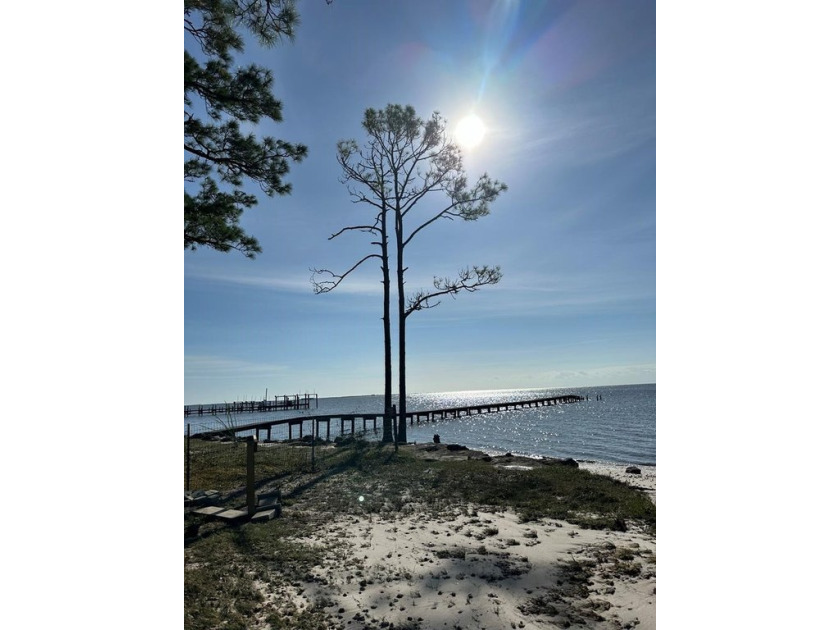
column 230, row 570
column 390, row 481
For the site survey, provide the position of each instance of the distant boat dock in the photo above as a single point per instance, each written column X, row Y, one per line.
column 280, row 403
column 414, row 417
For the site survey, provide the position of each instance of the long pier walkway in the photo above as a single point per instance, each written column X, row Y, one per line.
column 414, row 417
column 280, row 403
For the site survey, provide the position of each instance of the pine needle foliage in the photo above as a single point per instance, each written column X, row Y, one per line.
column 218, row 96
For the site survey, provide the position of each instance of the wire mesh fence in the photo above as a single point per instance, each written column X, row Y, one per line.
column 219, row 461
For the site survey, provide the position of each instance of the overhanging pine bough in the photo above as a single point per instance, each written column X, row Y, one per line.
column 216, row 151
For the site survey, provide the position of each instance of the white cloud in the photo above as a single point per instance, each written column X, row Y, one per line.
column 360, row 286
column 535, row 295
column 198, row 366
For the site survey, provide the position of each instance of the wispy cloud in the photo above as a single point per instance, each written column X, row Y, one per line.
column 538, row 295
column 207, row 367
column 355, row 286
column 613, row 374
column 577, row 139
column 581, row 289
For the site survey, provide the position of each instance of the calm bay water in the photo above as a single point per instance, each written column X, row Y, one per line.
column 616, row 424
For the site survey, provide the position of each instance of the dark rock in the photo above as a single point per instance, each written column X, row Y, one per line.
column 568, row 461
column 634, row 470
column 456, row 447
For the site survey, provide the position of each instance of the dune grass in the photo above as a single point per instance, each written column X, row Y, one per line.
column 229, row 570
column 389, row 481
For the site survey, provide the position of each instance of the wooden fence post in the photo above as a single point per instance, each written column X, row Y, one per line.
column 249, row 479
column 187, row 456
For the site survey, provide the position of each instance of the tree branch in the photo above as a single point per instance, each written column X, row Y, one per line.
column 469, row 280
column 364, row 228
column 325, row 286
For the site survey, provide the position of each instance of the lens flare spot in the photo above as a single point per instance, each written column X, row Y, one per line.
column 470, row 131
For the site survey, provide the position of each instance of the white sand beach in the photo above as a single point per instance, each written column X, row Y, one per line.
column 470, row 568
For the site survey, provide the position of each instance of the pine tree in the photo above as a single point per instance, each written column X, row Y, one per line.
column 405, row 160
column 218, row 96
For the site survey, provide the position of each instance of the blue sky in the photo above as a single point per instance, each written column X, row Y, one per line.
column 567, row 91
column 105, row 308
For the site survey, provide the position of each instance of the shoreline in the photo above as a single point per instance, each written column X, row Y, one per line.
column 587, row 430
column 495, row 452
column 645, row 480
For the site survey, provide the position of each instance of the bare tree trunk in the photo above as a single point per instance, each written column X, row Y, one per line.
column 387, row 434
column 387, row 431
column 401, row 432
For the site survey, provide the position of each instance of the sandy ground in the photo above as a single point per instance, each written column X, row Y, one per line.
column 470, row 568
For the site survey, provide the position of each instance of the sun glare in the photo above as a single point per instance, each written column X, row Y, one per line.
column 470, row 131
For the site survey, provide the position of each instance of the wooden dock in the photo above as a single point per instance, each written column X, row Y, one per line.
column 280, row 403
column 413, row 417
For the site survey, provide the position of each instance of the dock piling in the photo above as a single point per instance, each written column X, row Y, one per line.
column 428, row 415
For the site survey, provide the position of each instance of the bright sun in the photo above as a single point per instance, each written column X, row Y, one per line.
column 470, row 131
